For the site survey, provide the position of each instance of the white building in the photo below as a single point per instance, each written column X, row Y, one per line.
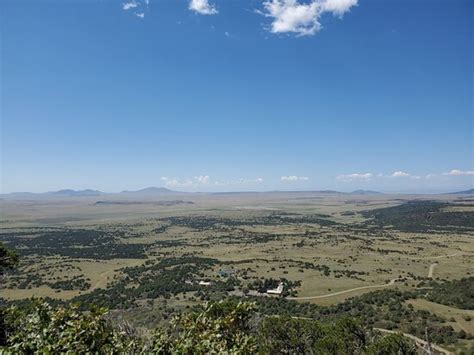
column 276, row 291
column 204, row 283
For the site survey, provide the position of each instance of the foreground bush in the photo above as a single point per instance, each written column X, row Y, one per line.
column 42, row 329
column 224, row 327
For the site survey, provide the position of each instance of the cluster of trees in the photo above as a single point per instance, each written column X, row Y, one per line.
column 75, row 283
column 422, row 216
column 207, row 222
column 8, row 260
column 77, row 243
column 381, row 309
column 457, row 293
column 165, row 278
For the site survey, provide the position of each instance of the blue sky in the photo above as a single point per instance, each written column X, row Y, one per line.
column 237, row 94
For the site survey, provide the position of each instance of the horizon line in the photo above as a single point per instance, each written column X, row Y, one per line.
column 165, row 189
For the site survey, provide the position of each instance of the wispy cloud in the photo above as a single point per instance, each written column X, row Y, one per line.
column 404, row 175
column 456, row 172
column 251, row 181
column 190, row 183
column 202, row 7
column 202, row 179
column 206, row 181
column 355, row 177
column 129, row 5
column 399, row 174
column 293, row 178
column 292, row 16
column 137, row 7
column 241, row 181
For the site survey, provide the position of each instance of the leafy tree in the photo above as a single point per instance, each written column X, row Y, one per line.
column 225, row 327
column 392, row 344
column 222, row 327
column 43, row 329
column 8, row 258
column 289, row 335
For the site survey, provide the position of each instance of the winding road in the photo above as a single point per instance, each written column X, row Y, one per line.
column 391, row 283
column 431, row 270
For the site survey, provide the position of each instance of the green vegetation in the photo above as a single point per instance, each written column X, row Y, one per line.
column 288, row 335
column 166, row 278
column 457, row 293
column 8, row 259
column 75, row 243
column 220, row 327
column 381, row 309
column 40, row 328
column 423, row 216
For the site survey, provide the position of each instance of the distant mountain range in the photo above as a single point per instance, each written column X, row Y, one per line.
column 151, row 192
column 366, row 192
column 465, row 192
column 69, row 192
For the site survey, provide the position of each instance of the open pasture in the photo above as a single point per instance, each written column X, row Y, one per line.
column 328, row 243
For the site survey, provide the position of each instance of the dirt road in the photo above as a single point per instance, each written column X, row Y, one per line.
column 391, row 283
column 431, row 270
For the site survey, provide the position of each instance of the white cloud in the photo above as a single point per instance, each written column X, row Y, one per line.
column 202, row 179
column 129, row 5
column 456, row 172
column 355, row 177
column 338, row 7
column 205, row 180
column 193, row 183
column 140, row 6
column 400, row 174
column 293, row 178
column 292, row 16
column 403, row 174
column 202, row 7
column 251, row 181
column 170, row 182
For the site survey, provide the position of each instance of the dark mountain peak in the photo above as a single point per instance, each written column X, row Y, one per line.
column 70, row 192
column 152, row 191
column 465, row 192
column 365, row 192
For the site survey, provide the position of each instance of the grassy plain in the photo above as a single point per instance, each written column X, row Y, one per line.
column 401, row 255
